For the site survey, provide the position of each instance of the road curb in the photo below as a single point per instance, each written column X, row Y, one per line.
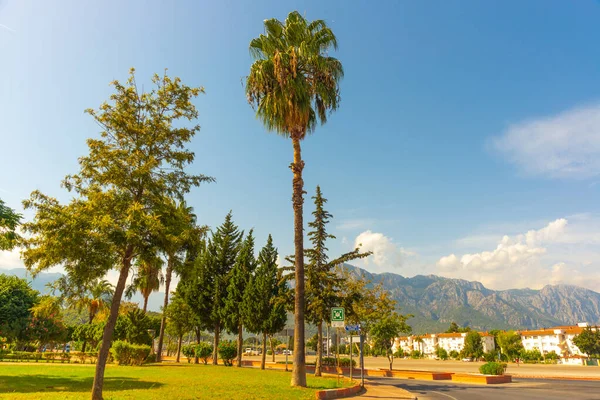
column 338, row 393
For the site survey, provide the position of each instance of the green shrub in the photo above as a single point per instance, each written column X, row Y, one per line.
column 399, row 353
column 188, row 351
column 227, row 352
column 332, row 362
column 454, row 354
column 129, row 354
column 490, row 356
column 492, row 368
column 150, row 359
column 441, row 353
column 93, row 356
column 49, row 355
column 203, row 351
column 415, row 354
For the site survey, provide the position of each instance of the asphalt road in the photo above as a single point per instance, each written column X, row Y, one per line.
column 526, row 389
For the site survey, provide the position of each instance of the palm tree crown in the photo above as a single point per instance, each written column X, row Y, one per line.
column 293, row 82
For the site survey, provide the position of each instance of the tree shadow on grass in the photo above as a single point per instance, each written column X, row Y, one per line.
column 57, row 384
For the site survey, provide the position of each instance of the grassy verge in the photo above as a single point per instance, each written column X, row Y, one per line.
column 167, row 381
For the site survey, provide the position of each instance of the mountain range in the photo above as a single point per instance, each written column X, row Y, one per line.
column 436, row 301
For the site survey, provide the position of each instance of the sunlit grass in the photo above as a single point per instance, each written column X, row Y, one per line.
column 168, row 381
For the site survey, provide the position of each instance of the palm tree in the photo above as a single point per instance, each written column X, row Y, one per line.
column 148, row 279
column 180, row 232
column 293, row 84
column 92, row 296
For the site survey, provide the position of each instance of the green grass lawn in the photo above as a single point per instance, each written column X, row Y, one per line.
column 166, row 381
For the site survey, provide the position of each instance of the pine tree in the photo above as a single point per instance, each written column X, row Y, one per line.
column 264, row 300
column 322, row 282
column 238, row 282
column 207, row 288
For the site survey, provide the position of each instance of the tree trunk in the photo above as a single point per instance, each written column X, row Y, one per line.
column 299, row 367
column 163, row 321
column 146, row 303
column 109, row 328
column 196, row 361
column 215, row 359
column 272, row 348
column 319, row 361
column 264, row 351
column 240, row 343
column 90, row 319
column 391, row 360
column 179, row 348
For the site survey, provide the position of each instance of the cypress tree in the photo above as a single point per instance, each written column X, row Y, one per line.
column 322, row 282
column 208, row 282
column 239, row 277
column 264, row 299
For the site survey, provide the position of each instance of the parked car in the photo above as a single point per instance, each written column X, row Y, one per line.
column 467, row 359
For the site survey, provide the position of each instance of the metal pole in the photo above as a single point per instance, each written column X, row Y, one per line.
column 362, row 362
column 338, row 353
column 287, row 348
column 351, row 351
column 327, row 340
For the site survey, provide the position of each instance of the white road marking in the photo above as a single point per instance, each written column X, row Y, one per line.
column 444, row 394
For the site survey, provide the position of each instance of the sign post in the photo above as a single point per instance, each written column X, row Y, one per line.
column 350, row 329
column 337, row 317
column 362, row 361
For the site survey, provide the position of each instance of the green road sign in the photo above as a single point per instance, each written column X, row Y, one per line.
column 337, row 314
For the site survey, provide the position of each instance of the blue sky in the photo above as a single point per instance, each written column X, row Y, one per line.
column 461, row 122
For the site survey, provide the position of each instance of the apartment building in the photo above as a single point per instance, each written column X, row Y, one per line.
column 558, row 339
column 428, row 343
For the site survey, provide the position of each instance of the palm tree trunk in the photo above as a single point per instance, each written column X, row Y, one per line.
column 179, row 348
column 272, row 348
column 264, row 352
column 145, row 303
column 215, row 359
column 163, row 321
column 110, row 326
column 196, row 360
column 299, row 367
column 90, row 319
column 319, row 361
column 240, row 343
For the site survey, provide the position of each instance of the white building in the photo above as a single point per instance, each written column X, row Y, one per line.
column 558, row 339
column 428, row 343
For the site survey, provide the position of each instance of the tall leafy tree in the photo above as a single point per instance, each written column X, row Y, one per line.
column 385, row 331
column 473, row 346
column 139, row 160
column 238, row 282
column 323, row 283
column 264, row 305
column 588, row 341
column 16, row 300
column 181, row 318
column 9, row 220
column 293, row 84
column 207, row 285
column 92, row 296
column 147, row 279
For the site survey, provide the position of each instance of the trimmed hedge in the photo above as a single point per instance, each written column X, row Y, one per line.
column 492, row 368
column 332, row 362
column 129, row 354
column 188, row 352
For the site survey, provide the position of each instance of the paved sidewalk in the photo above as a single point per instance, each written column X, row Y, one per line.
column 375, row 390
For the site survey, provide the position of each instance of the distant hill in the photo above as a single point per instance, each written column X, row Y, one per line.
column 436, row 302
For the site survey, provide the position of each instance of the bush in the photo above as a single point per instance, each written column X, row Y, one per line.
column 227, row 352
column 49, row 355
column 441, row 353
column 203, row 351
column 150, row 359
column 188, row 351
column 492, row 368
column 399, row 353
column 454, row 354
column 129, row 354
column 415, row 354
column 332, row 362
column 490, row 356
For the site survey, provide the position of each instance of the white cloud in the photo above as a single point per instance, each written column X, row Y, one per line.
column 387, row 255
column 560, row 252
column 353, row 224
column 11, row 259
column 566, row 145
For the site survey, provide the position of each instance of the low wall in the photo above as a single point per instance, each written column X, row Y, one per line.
column 481, row 379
